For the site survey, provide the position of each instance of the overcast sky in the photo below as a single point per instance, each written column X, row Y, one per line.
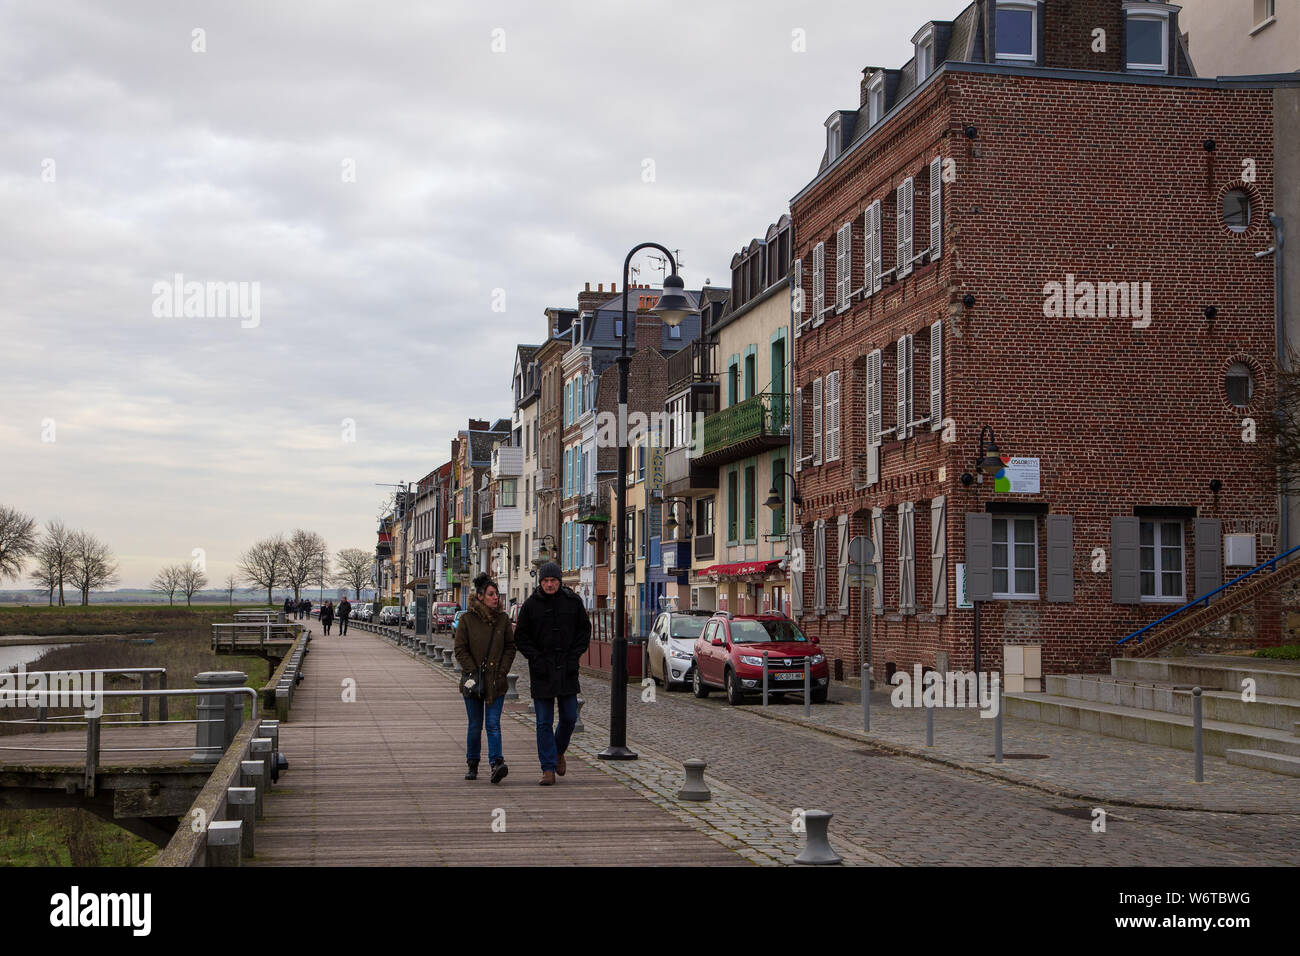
column 129, row 158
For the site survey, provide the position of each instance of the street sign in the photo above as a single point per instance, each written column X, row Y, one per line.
column 862, row 575
column 861, row 551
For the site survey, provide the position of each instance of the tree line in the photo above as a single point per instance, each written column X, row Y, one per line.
column 64, row 558
column 294, row 560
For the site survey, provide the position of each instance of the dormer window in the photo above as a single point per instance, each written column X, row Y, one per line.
column 1017, row 31
column 876, row 99
column 833, row 140
column 1146, row 36
column 924, row 54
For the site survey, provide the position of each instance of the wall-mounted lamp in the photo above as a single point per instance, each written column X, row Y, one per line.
column 967, row 479
column 989, row 463
column 968, row 300
column 774, row 499
column 971, row 132
column 1211, row 312
column 1216, row 485
column 1209, row 145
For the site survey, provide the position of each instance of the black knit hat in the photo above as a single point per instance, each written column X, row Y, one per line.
column 548, row 570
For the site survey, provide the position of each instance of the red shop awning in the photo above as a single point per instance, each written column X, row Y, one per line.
column 743, row 569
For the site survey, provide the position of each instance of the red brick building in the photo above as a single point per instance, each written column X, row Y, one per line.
column 1027, row 231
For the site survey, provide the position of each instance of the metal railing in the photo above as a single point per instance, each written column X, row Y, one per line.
column 238, row 634
column 145, row 674
column 1204, row 599
column 765, row 415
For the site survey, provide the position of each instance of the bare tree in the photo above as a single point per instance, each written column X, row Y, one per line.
column 167, row 581
column 192, row 581
column 46, row 575
column 57, row 545
column 17, row 541
column 93, row 566
column 307, row 560
column 1279, row 426
column 352, row 569
column 231, row 586
column 265, row 564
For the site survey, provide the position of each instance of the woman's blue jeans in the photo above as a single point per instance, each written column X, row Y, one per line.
column 478, row 714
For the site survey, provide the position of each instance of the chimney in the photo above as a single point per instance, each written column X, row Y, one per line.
column 477, row 425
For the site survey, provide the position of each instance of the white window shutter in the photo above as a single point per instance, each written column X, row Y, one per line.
column 817, row 422
column 843, row 266
column 911, row 355
column 878, row 542
column 909, row 192
column 936, row 376
column 877, row 255
column 873, row 417
column 901, row 258
column 796, row 577
column 819, row 566
column 798, row 429
column 844, row 565
column 936, row 207
column 819, row 282
column 903, row 396
column 868, row 243
column 906, row 558
column 833, row 416
column 939, row 556
column 798, row 297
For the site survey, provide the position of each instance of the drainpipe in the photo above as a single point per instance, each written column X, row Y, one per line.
column 1278, row 248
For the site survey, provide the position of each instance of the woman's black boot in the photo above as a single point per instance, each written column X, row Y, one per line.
column 499, row 771
column 472, row 773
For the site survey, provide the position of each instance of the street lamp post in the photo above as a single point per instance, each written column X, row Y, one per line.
column 672, row 307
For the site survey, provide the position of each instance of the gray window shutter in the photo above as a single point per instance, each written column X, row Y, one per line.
column 907, row 557
column 877, row 253
column 817, row 421
column 868, row 243
column 819, row 282
column 878, row 542
column 796, row 577
column 798, row 297
column 979, row 557
column 936, row 376
column 938, row 556
column 1125, row 586
column 819, row 566
column 1060, row 558
column 844, row 565
column 936, row 207
column 1209, row 554
column 798, row 429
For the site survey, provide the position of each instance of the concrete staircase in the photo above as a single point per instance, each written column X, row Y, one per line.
column 1150, row 700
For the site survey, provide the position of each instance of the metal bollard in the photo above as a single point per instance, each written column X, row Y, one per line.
column 866, row 697
column 695, row 788
column 765, row 678
column 807, row 687
column 1197, row 743
column 512, row 692
column 929, row 725
column 817, row 847
column 997, row 721
column 578, row 726
column 224, row 838
column 241, row 805
column 218, row 717
column 282, row 703
column 447, row 656
column 260, row 748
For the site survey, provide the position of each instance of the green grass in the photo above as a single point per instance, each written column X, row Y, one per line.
column 1288, row 652
column 71, row 837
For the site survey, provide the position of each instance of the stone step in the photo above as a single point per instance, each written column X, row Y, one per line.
column 1148, row 726
column 1262, row 760
column 1213, row 673
column 1277, row 713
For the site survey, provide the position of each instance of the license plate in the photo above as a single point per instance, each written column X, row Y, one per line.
column 787, row 676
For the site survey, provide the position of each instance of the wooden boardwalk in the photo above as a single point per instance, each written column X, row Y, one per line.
column 67, row 748
column 378, row 782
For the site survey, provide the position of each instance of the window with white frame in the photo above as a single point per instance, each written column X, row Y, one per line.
column 1147, row 41
column 1160, row 560
column 924, row 55
column 833, row 140
column 1265, row 10
column 1015, row 558
column 1017, row 30
column 876, row 99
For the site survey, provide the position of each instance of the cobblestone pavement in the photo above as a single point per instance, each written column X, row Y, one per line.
column 912, row 811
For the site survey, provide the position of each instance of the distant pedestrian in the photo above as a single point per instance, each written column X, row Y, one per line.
column 345, row 612
column 288, row 609
column 326, row 616
column 484, row 647
column 553, row 632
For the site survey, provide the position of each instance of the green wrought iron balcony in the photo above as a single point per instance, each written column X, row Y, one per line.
column 752, row 426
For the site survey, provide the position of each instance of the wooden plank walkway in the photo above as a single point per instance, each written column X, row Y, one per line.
column 378, row 782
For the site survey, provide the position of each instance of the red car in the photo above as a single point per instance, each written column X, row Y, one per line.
column 444, row 612
column 729, row 656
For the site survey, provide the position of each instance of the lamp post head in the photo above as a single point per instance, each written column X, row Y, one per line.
column 773, row 498
column 673, row 305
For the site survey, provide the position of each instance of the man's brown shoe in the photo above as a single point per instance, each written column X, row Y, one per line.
column 560, row 765
column 548, row 779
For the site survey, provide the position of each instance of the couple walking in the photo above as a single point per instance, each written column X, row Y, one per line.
column 552, row 633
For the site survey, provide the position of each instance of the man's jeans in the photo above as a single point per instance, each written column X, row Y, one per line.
column 553, row 742
column 343, row 625
column 477, row 711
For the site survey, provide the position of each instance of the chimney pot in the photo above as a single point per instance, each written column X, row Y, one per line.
column 613, row 287
column 588, row 289
column 600, row 287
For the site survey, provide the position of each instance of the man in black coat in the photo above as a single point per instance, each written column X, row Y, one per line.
column 553, row 632
column 345, row 612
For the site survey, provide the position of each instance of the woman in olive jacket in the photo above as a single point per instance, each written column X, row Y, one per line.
column 485, row 636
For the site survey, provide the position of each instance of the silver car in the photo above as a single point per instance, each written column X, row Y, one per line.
column 672, row 646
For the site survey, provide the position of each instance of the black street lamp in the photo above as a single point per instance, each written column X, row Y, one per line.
column 988, row 463
column 543, row 553
column 774, row 498
column 670, row 523
column 673, row 307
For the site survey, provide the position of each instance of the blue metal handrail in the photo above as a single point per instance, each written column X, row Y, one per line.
column 1206, row 597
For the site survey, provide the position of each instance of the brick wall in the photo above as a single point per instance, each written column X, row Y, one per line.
column 1109, row 182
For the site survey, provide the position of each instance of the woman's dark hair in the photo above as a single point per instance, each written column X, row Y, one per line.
column 483, row 582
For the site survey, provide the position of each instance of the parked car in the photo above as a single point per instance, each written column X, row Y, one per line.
column 363, row 611
column 729, row 656
column 444, row 612
column 409, row 616
column 389, row 615
column 672, row 645
column 456, row 620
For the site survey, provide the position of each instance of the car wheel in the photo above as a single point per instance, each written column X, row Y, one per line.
column 819, row 695
column 735, row 697
column 697, row 685
column 668, row 681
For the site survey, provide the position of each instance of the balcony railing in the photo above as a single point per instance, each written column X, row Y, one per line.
column 593, row 508
column 759, row 421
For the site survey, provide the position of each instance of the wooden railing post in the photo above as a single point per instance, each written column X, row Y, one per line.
column 92, row 754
